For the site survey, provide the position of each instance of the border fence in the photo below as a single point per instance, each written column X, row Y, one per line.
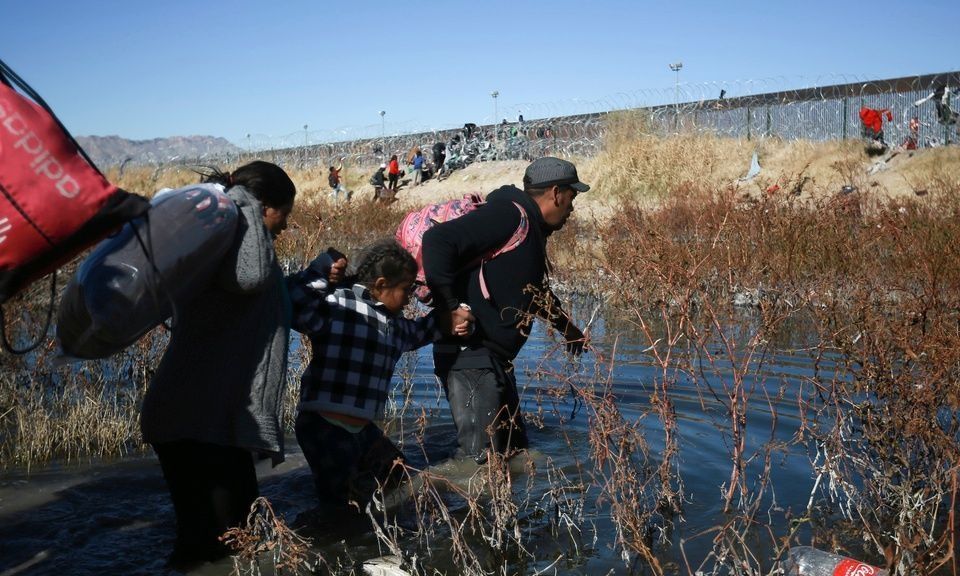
column 823, row 113
column 826, row 113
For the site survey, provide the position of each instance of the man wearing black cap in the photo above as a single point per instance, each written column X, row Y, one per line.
column 504, row 293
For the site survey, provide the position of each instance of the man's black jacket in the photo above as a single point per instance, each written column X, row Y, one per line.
column 451, row 254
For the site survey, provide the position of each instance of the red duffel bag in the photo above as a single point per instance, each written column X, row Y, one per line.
column 53, row 201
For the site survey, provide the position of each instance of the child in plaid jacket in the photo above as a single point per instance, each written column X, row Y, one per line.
column 358, row 334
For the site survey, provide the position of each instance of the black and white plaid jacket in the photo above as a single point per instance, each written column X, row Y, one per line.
column 356, row 344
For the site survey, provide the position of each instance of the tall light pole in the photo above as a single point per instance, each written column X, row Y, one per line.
column 676, row 66
column 306, row 138
column 494, row 95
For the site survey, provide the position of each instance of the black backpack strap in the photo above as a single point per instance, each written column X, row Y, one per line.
column 5, row 340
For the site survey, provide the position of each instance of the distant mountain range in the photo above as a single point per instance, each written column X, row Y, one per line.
column 108, row 151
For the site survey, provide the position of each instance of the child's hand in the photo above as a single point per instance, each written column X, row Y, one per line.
column 461, row 321
column 463, row 329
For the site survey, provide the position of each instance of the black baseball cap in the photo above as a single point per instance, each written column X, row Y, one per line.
column 549, row 171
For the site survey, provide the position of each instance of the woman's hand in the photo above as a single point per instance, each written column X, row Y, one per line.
column 575, row 340
column 338, row 271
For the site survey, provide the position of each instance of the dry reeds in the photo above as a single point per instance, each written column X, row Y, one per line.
column 265, row 536
column 712, row 276
column 879, row 279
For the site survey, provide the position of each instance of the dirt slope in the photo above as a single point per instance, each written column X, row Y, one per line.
column 822, row 168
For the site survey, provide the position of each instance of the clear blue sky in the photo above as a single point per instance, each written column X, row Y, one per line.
column 144, row 70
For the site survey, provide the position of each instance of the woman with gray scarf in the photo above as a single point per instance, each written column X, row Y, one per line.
column 216, row 397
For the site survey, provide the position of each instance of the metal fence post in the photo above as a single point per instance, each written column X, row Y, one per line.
column 768, row 120
column 748, row 122
column 843, row 122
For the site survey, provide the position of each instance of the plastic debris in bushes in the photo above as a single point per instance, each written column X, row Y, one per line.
column 133, row 282
column 54, row 202
column 941, row 100
column 754, row 168
column 808, row 561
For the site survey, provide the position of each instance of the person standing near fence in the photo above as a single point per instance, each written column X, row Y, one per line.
column 336, row 182
column 478, row 375
column 393, row 174
column 378, row 181
column 439, row 155
column 417, row 167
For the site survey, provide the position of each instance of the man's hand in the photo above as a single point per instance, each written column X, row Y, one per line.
column 575, row 340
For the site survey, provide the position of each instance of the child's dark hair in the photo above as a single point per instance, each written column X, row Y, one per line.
column 384, row 258
column 267, row 182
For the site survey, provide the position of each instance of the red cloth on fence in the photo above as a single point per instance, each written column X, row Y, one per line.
column 873, row 119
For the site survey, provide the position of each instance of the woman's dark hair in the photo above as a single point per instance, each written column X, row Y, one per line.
column 384, row 258
column 267, row 182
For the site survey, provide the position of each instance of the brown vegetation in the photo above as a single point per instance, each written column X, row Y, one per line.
column 672, row 241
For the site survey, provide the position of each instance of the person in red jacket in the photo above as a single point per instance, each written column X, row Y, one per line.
column 393, row 173
column 872, row 121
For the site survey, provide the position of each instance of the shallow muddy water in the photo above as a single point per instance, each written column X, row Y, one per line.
column 114, row 517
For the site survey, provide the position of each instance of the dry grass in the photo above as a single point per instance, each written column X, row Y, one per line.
column 877, row 277
column 73, row 412
column 266, row 539
column 874, row 272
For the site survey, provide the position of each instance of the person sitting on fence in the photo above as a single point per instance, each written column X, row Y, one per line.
column 941, row 100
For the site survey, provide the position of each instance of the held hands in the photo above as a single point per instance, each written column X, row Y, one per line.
column 461, row 322
column 338, row 270
column 463, row 329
